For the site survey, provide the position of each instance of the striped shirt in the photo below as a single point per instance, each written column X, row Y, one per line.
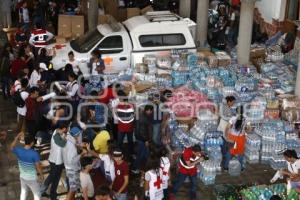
column 27, row 158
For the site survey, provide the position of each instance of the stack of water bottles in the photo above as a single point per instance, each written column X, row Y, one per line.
column 246, row 88
column 273, row 141
column 208, row 172
column 252, row 151
column 207, row 121
column 278, row 162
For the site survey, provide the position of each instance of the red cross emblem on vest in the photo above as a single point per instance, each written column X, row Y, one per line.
column 164, row 172
column 158, row 183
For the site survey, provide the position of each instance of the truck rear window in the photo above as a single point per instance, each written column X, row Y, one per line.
column 162, row 40
column 86, row 42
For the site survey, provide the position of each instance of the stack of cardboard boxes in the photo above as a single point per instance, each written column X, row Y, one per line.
column 69, row 27
column 111, row 7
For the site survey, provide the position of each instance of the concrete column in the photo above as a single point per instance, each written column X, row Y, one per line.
column 297, row 85
column 245, row 31
column 185, row 8
column 202, row 21
column 92, row 14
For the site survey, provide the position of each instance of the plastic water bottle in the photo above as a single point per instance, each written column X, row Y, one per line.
column 234, row 167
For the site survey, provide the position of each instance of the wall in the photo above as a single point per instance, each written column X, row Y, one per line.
column 272, row 9
column 270, row 14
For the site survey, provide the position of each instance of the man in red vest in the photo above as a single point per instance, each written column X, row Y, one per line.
column 188, row 162
column 40, row 37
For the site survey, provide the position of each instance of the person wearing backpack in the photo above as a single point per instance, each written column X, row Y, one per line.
column 19, row 99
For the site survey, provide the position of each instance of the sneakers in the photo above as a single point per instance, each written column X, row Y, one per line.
column 276, row 177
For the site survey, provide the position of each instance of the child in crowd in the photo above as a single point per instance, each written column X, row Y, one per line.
column 120, row 183
column 153, row 186
column 85, row 178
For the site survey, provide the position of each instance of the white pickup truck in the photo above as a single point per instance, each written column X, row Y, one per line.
column 122, row 45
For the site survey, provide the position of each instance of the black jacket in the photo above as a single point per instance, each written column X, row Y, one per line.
column 143, row 128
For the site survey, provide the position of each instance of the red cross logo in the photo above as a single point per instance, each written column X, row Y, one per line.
column 108, row 60
column 164, row 172
column 158, row 183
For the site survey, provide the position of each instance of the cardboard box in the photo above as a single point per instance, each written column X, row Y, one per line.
column 103, row 19
column 131, row 12
column 77, row 26
column 208, row 57
column 65, row 25
column 122, row 14
column 146, row 9
column 223, row 58
column 60, row 40
column 258, row 52
column 111, row 8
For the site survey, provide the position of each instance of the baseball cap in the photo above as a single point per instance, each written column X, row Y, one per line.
column 75, row 131
column 43, row 66
column 117, row 153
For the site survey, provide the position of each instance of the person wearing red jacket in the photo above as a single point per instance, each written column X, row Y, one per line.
column 191, row 157
column 40, row 37
column 124, row 113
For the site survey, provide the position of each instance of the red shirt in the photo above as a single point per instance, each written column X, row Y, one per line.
column 121, row 171
column 125, row 127
column 31, row 105
column 187, row 155
column 106, row 96
column 16, row 66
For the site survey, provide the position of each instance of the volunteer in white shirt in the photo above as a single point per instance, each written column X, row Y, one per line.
column 86, row 182
column 165, row 167
column 293, row 170
column 58, row 142
column 36, row 75
column 74, row 63
column 154, row 179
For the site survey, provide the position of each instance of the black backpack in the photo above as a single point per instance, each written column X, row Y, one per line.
column 17, row 99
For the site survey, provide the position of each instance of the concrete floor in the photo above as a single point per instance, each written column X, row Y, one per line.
column 254, row 174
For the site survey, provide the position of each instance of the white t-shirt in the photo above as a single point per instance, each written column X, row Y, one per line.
column 17, row 85
column 86, row 182
column 34, row 78
column 25, row 15
column 165, row 166
column 55, row 155
column 294, row 168
column 75, row 65
column 22, row 111
column 72, row 88
column 109, row 166
column 94, row 67
column 155, row 184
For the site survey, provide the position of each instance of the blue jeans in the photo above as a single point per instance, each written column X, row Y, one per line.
column 5, row 86
column 129, row 136
column 180, row 180
column 26, row 27
column 122, row 196
column 53, row 180
column 142, row 155
column 228, row 157
column 156, row 134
